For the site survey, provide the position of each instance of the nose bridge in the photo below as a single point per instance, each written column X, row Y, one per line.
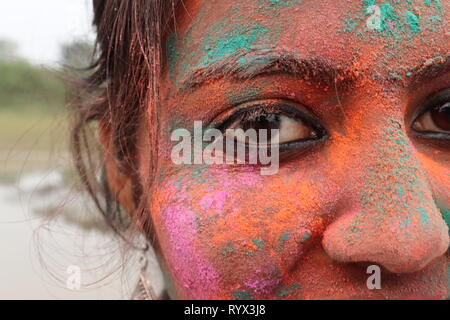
column 392, row 219
column 395, row 185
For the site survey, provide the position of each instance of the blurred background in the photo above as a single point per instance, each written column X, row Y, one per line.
column 47, row 224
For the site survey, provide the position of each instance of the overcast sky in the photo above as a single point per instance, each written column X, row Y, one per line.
column 39, row 27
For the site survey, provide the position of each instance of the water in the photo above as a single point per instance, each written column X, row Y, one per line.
column 36, row 252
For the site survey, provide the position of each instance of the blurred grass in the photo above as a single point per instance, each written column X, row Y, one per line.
column 32, row 141
column 34, row 132
column 31, row 130
column 24, row 86
column 33, row 119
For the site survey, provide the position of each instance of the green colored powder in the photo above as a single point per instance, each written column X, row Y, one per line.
column 284, row 236
column 413, row 21
column 272, row 4
column 228, row 249
column 286, row 290
column 349, row 25
column 437, row 2
column 242, row 295
column 423, row 216
column 305, row 237
column 392, row 19
column 446, row 215
column 259, row 243
column 405, row 223
column 172, row 55
column 242, row 38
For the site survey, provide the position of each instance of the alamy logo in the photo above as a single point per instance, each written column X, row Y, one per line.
column 374, row 21
column 235, row 146
column 73, row 281
column 374, row 281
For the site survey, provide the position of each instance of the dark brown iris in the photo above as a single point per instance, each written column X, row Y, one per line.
column 263, row 121
column 441, row 116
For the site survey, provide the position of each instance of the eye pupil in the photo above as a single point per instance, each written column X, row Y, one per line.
column 263, row 121
column 271, row 122
column 441, row 116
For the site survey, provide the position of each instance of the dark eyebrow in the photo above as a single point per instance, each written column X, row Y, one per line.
column 430, row 70
column 257, row 62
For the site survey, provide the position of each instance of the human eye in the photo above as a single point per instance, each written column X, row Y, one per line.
column 433, row 121
column 294, row 125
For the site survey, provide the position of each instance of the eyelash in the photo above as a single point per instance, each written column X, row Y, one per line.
column 440, row 99
column 284, row 107
column 251, row 110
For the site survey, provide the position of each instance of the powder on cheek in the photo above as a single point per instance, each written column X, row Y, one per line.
column 190, row 269
column 253, row 247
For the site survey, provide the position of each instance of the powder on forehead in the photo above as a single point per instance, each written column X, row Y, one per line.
column 219, row 30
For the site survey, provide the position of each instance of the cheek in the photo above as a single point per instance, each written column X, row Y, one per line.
column 177, row 232
column 221, row 239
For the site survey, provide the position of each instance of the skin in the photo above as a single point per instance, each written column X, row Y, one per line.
column 371, row 193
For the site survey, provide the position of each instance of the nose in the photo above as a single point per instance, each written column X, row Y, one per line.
column 392, row 219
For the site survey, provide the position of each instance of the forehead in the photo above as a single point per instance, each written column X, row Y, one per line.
column 379, row 36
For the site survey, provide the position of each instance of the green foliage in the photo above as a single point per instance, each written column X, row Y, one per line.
column 25, row 86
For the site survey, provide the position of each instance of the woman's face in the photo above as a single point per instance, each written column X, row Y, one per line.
column 365, row 182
